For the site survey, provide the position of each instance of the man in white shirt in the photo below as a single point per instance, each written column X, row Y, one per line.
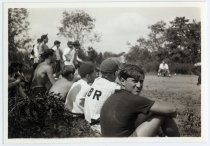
column 76, row 95
column 100, row 90
column 36, row 53
column 163, row 68
column 69, row 54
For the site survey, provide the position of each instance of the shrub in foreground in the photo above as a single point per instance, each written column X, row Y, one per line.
column 43, row 117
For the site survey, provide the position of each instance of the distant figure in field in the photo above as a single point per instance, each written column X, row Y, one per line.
column 125, row 113
column 163, row 69
column 197, row 71
column 63, row 85
column 57, row 66
column 43, row 73
column 76, row 96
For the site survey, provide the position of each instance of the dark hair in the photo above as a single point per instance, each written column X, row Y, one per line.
column 43, row 37
column 130, row 70
column 70, row 43
column 47, row 53
column 76, row 43
column 85, row 69
column 39, row 40
column 69, row 69
column 56, row 42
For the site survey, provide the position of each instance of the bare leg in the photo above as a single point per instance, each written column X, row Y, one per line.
column 170, row 128
column 148, row 128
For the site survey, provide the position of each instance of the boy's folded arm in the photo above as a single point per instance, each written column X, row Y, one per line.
column 163, row 109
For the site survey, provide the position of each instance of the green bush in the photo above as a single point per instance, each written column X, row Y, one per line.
column 181, row 68
column 151, row 66
column 43, row 116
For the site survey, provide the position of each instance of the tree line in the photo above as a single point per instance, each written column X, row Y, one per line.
column 178, row 42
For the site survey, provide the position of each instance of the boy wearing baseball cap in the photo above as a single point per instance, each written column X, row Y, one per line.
column 76, row 95
column 100, row 90
column 126, row 113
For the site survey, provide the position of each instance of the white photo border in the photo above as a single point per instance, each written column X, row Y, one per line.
column 205, row 60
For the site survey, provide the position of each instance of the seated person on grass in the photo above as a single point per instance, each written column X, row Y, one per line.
column 163, row 68
column 100, row 90
column 63, row 85
column 126, row 113
column 15, row 82
column 76, row 95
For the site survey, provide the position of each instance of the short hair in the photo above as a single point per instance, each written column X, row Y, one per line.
column 70, row 43
column 56, row 42
column 68, row 69
column 76, row 43
column 44, row 36
column 130, row 71
column 85, row 69
column 47, row 53
column 39, row 40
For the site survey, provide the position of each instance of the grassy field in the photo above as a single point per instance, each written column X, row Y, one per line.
column 44, row 117
column 182, row 91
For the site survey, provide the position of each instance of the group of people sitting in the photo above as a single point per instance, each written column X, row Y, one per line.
column 108, row 97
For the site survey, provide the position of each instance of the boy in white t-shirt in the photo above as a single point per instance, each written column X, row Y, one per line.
column 76, row 95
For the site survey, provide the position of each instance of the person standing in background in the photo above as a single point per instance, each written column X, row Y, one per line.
column 36, row 53
column 43, row 45
column 57, row 67
column 69, row 54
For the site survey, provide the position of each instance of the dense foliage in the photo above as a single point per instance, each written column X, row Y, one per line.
column 179, row 44
column 43, row 116
column 18, row 38
column 78, row 25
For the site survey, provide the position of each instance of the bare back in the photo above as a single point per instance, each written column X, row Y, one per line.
column 61, row 87
column 43, row 74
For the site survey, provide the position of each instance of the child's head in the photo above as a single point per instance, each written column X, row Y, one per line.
column 132, row 78
column 108, row 69
column 87, row 71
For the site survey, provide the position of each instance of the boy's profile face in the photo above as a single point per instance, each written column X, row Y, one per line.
column 133, row 85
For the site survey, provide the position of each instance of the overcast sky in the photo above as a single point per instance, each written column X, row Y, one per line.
column 116, row 25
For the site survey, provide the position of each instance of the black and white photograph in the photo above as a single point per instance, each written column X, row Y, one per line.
column 100, row 70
